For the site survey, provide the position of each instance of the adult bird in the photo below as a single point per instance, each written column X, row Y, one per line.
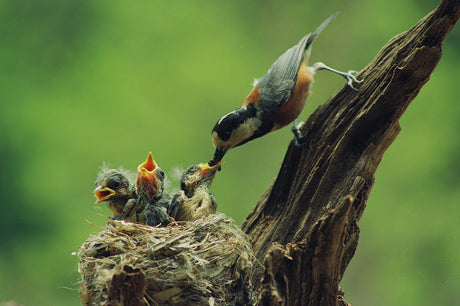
column 276, row 100
column 114, row 188
column 152, row 203
column 194, row 201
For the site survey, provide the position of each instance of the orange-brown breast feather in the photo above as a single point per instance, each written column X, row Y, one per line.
column 292, row 108
column 253, row 97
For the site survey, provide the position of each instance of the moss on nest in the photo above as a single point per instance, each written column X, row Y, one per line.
column 204, row 262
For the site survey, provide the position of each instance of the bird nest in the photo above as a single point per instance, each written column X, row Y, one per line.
column 204, row 262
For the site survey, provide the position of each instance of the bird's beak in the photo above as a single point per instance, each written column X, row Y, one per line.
column 206, row 169
column 149, row 165
column 218, row 155
column 103, row 193
column 147, row 170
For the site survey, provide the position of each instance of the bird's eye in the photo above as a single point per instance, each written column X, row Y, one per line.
column 161, row 173
column 114, row 183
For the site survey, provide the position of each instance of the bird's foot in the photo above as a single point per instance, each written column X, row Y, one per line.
column 351, row 78
column 172, row 222
column 347, row 75
column 299, row 139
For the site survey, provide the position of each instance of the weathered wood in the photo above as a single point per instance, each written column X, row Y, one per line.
column 305, row 227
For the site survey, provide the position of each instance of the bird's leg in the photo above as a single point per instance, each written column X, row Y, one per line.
column 347, row 75
column 298, row 137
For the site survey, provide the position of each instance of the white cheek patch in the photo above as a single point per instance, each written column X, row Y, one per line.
column 244, row 131
column 216, row 140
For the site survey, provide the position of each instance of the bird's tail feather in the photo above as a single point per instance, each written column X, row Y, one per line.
column 312, row 37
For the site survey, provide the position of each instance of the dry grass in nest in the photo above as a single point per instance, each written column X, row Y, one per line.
column 204, row 262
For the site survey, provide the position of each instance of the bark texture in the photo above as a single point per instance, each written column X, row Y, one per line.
column 305, row 227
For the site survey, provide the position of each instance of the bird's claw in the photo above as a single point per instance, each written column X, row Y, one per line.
column 352, row 79
column 299, row 139
column 347, row 75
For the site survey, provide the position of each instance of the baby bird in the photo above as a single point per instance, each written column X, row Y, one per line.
column 114, row 188
column 152, row 203
column 194, row 200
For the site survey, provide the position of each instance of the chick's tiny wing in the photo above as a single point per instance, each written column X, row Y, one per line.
column 176, row 202
column 155, row 215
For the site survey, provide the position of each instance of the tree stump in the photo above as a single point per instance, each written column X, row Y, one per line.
column 305, row 227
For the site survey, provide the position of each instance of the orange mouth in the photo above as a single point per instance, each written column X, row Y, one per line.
column 147, row 178
column 103, row 194
column 149, row 164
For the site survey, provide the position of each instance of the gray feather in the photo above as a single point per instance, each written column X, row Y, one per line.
column 276, row 86
column 155, row 215
column 176, row 202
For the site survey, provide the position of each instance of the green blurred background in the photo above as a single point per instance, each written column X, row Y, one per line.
column 83, row 82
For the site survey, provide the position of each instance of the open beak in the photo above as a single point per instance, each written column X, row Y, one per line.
column 147, row 170
column 149, row 165
column 206, row 169
column 103, row 193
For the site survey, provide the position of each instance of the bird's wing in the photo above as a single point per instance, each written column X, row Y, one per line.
column 213, row 200
column 155, row 215
column 128, row 210
column 176, row 202
column 164, row 201
column 276, row 86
